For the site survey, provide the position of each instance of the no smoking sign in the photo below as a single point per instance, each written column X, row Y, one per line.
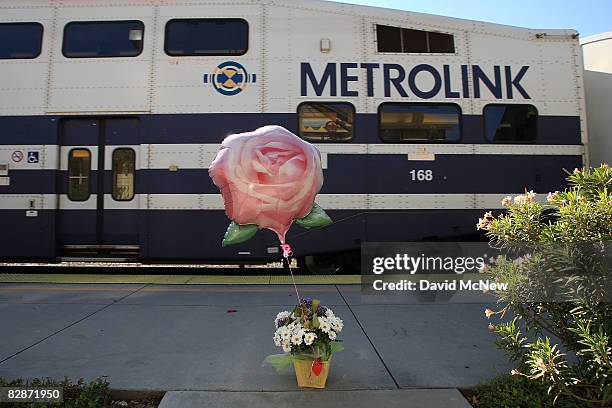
column 17, row 156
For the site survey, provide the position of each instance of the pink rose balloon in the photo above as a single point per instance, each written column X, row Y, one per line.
column 267, row 177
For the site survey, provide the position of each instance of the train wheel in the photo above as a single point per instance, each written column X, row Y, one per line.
column 322, row 264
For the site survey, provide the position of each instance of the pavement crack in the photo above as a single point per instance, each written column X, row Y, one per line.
column 73, row 323
column 368, row 337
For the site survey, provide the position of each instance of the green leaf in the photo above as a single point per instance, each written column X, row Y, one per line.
column 336, row 347
column 315, row 322
column 281, row 362
column 315, row 218
column 237, row 233
column 314, row 306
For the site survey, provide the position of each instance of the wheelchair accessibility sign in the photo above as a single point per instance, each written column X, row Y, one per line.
column 33, row 157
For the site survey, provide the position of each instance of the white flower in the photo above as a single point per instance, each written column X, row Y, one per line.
column 291, row 334
column 530, row 196
column 296, row 339
column 309, row 338
column 507, row 201
column 280, row 316
column 520, row 200
column 285, row 334
column 324, row 326
column 552, row 196
column 485, row 222
column 336, row 323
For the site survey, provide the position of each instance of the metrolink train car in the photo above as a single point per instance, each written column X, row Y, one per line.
column 111, row 112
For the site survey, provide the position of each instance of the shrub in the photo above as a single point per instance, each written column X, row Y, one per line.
column 95, row 394
column 508, row 391
column 556, row 323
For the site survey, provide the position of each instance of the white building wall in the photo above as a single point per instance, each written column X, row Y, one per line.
column 597, row 52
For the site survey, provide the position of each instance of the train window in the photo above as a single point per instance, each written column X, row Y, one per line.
column 79, row 167
column 510, row 123
column 414, row 40
column 20, row 40
column 192, row 37
column 419, row 122
column 124, row 162
column 102, row 39
column 440, row 42
column 326, row 121
column 389, row 38
column 406, row 40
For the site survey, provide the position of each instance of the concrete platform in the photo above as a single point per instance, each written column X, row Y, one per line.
column 441, row 344
column 24, row 325
column 187, row 348
column 320, row 399
column 234, row 295
column 213, row 338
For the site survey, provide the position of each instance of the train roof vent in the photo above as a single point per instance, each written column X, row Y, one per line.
column 408, row 41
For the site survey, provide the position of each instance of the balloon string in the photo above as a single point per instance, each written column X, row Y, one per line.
column 287, row 253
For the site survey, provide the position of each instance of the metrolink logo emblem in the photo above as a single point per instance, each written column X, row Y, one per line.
column 500, row 81
column 229, row 78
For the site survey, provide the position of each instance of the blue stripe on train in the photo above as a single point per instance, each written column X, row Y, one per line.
column 213, row 127
column 79, row 227
column 28, row 130
column 25, row 237
column 196, row 235
column 390, row 174
column 30, row 182
column 354, row 174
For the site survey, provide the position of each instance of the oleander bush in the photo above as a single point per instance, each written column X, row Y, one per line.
column 508, row 391
column 555, row 319
column 95, row 394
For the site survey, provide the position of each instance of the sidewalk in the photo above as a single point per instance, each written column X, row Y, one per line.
column 212, row 338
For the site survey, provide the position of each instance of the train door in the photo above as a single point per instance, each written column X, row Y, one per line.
column 98, row 205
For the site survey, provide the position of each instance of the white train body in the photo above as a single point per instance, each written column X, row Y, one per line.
column 169, row 112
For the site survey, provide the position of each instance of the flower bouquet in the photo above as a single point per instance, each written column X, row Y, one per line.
column 308, row 338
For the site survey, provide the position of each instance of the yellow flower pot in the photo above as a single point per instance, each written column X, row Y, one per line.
column 306, row 378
